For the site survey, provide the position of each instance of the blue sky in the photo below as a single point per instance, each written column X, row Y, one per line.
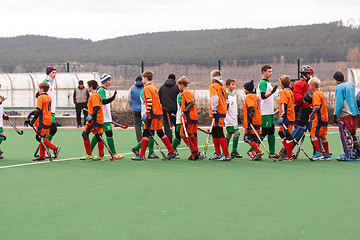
column 104, row 19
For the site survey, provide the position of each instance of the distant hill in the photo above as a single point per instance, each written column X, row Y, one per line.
column 330, row 42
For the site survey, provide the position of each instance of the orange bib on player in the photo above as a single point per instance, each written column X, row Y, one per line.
column 191, row 116
column 95, row 100
column 252, row 100
column 152, row 101
column 216, row 89
column 287, row 98
column 44, row 120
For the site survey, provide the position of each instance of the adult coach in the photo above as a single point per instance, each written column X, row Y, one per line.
column 346, row 109
column 80, row 97
column 135, row 104
column 266, row 95
column 167, row 94
column 50, row 78
column 303, row 107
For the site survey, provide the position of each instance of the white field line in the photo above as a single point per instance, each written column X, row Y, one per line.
column 68, row 159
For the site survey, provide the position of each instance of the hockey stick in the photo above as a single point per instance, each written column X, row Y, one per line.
column 208, row 137
column 20, row 132
column 101, row 139
column 187, row 136
column 204, row 131
column 262, row 143
column 297, row 143
column 156, row 143
column 302, row 139
column 42, row 142
column 122, row 126
column 115, row 123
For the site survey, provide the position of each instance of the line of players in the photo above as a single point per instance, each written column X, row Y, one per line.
column 295, row 108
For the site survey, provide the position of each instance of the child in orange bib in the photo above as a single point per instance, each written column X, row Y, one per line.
column 319, row 127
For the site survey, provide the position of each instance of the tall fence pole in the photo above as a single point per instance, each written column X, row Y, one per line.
column 219, row 65
column 298, row 63
column 68, row 67
column 142, row 66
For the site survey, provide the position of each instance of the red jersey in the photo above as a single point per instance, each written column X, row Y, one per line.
column 300, row 88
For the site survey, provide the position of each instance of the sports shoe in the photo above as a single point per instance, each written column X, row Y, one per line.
column 327, row 157
column 1, row 152
column 285, row 158
column 153, row 156
column 251, row 154
column 258, row 156
column 343, row 157
column 317, row 156
column 1, row 157
column 177, row 155
column 236, row 155
column 138, row 158
column 169, row 156
column 224, row 158
column 195, row 156
column 98, row 158
column 39, row 159
column 56, row 152
column 215, row 157
column 87, row 156
column 135, row 151
column 117, row 156
column 47, row 155
column 275, row 155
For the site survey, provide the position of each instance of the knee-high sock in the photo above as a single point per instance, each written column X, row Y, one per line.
column 101, row 148
column 189, row 143
column 235, row 144
column 42, row 150
column 315, row 143
column 110, row 141
column 48, row 144
column 289, row 147
column 87, row 146
column 138, row 145
column 194, row 142
column 144, row 145
column 93, row 143
column 217, row 146
column 151, row 145
column 224, row 147
column 271, row 140
column 49, row 137
column 325, row 145
column 255, row 146
column 167, row 143
column 175, row 143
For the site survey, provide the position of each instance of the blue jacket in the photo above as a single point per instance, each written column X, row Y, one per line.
column 134, row 97
column 345, row 101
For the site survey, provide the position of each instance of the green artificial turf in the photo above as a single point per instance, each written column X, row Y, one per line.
column 176, row 199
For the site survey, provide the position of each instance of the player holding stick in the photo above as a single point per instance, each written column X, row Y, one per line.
column 42, row 120
column 189, row 118
column 94, row 119
column 153, row 116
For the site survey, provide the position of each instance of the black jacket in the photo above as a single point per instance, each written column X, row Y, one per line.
column 167, row 94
